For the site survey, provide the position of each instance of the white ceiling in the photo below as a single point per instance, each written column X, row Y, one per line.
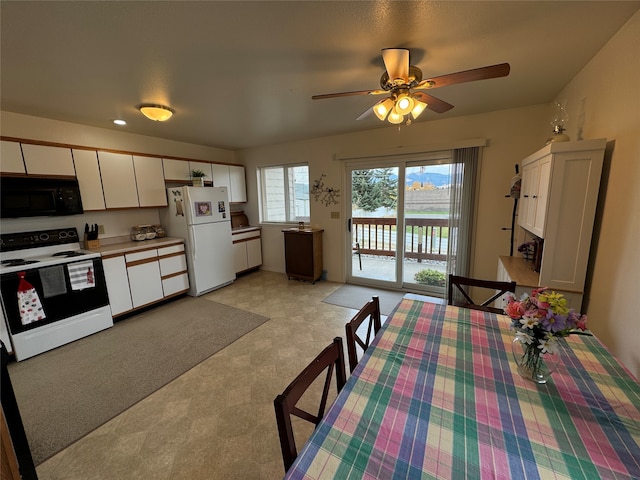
column 241, row 74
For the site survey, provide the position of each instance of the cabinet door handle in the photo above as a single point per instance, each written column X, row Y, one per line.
column 526, row 196
column 535, row 196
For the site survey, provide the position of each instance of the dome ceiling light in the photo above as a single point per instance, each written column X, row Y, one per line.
column 157, row 113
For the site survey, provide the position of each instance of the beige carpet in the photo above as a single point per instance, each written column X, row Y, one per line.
column 94, row 379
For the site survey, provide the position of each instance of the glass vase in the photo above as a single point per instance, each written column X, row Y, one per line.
column 534, row 365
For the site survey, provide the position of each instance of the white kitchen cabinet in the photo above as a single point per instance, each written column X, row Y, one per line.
column 536, row 177
column 45, row 160
column 173, row 270
column 247, row 250
column 11, row 157
column 118, row 180
column 176, row 170
column 115, row 273
column 220, row 175
column 150, row 181
column 564, row 216
column 145, row 281
column 232, row 177
column 238, row 183
column 205, row 167
column 88, row 174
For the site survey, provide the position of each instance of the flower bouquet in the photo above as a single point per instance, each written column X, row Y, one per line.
column 540, row 320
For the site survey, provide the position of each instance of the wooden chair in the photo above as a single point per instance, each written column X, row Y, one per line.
column 370, row 312
column 463, row 285
column 330, row 359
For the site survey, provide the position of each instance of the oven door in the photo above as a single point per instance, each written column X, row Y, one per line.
column 63, row 303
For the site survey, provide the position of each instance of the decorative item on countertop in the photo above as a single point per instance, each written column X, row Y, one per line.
column 149, row 231
column 540, row 321
column 197, row 178
column 160, row 233
column 138, row 233
column 560, row 118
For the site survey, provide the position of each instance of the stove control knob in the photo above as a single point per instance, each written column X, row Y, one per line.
column 44, row 237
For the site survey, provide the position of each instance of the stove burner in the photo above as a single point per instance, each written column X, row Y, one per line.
column 16, row 262
column 68, row 253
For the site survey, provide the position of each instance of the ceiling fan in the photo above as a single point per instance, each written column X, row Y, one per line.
column 403, row 83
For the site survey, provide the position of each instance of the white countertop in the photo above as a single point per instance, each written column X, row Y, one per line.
column 132, row 246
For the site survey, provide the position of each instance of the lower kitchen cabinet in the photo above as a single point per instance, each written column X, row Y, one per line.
column 247, row 250
column 142, row 277
column 115, row 273
column 145, row 282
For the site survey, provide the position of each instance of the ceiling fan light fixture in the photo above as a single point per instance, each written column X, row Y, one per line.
column 395, row 118
column 418, row 108
column 157, row 113
column 404, row 104
column 382, row 108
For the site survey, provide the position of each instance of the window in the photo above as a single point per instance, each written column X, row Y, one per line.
column 284, row 193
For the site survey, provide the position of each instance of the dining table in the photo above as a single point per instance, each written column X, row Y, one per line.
column 437, row 395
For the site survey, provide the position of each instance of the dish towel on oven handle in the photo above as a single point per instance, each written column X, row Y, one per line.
column 28, row 302
column 53, row 283
column 81, row 275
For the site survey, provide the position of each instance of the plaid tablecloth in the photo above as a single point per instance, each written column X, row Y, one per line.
column 438, row 396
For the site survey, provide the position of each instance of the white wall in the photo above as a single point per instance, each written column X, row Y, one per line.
column 603, row 101
column 511, row 134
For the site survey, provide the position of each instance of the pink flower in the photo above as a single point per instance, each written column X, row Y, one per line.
column 582, row 323
column 515, row 310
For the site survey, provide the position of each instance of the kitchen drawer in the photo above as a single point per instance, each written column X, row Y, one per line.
column 142, row 255
column 173, row 264
column 170, row 250
column 175, row 284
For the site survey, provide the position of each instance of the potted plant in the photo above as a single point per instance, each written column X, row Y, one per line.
column 197, row 178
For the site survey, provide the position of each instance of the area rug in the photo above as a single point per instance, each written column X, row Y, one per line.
column 66, row 393
column 355, row 296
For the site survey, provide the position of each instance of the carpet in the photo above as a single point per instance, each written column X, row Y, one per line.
column 66, row 393
column 355, row 296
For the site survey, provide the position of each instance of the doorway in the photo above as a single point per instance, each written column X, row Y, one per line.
column 399, row 218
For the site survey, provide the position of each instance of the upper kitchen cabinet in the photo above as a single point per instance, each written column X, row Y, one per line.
column 45, row 160
column 232, row 177
column 150, row 181
column 88, row 173
column 176, row 170
column 203, row 166
column 535, row 189
column 11, row 158
column 238, row 185
column 118, row 180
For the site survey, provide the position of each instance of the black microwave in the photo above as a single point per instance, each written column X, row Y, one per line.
column 37, row 197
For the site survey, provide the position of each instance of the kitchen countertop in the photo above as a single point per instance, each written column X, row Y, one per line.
column 520, row 271
column 132, row 246
column 243, row 229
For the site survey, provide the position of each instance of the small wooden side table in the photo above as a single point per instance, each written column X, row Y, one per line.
column 303, row 253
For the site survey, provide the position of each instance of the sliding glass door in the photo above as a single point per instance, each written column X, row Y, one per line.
column 401, row 213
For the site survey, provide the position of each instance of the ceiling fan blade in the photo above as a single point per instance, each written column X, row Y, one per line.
column 482, row 73
column 365, row 114
column 433, row 103
column 396, row 61
column 346, row 94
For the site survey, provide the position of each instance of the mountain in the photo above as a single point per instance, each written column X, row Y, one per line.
column 435, row 179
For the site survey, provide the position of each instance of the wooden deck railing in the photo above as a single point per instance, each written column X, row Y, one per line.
column 425, row 238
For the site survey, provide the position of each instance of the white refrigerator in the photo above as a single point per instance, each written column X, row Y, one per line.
column 201, row 216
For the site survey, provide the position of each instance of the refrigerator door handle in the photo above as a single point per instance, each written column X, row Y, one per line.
column 192, row 243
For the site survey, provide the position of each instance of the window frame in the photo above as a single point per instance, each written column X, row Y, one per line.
column 287, row 203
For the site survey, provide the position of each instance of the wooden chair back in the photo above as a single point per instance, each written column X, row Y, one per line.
column 463, row 285
column 370, row 312
column 330, row 359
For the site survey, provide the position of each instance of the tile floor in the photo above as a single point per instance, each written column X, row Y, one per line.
column 216, row 421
